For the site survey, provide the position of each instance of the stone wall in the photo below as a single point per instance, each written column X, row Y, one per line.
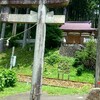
column 69, row 50
column 94, row 94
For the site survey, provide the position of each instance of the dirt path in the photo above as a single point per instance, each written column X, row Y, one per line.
column 56, row 82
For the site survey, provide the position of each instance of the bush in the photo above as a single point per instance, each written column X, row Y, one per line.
column 53, row 36
column 87, row 56
column 13, row 42
column 52, row 58
column 1, row 82
column 9, row 78
column 79, row 70
column 63, row 67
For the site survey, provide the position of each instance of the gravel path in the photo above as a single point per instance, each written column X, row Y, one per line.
column 25, row 96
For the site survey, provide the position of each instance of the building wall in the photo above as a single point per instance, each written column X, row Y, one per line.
column 74, row 39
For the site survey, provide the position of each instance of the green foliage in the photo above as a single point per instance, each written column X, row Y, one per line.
column 9, row 78
column 24, row 61
column 83, row 10
column 53, row 36
column 78, row 10
column 87, row 56
column 79, row 70
column 1, row 82
column 52, row 58
column 19, row 88
column 13, row 42
column 63, row 67
column 66, row 91
column 24, row 57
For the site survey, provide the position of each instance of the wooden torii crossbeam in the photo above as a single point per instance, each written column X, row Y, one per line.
column 32, row 18
column 41, row 19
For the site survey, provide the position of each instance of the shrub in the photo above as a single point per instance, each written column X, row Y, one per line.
column 13, row 42
column 52, row 58
column 1, row 82
column 9, row 78
column 53, row 36
column 87, row 56
column 63, row 67
column 79, row 70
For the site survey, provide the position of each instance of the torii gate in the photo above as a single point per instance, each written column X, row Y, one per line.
column 41, row 18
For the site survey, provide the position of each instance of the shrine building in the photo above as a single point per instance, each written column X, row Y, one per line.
column 78, row 32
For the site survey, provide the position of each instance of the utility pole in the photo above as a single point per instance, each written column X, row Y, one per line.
column 13, row 58
column 97, row 79
column 39, row 52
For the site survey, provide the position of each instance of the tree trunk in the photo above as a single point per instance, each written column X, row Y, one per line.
column 97, row 79
column 25, row 31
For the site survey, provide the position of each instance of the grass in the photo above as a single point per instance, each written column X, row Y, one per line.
column 24, row 87
column 24, row 66
column 19, row 88
column 85, row 77
column 65, row 91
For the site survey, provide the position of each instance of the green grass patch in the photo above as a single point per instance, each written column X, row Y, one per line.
column 24, row 66
column 64, row 91
column 24, row 87
column 52, row 72
column 19, row 88
column 52, row 58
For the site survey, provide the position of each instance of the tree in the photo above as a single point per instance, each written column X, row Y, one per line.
column 83, row 10
column 87, row 56
column 77, row 10
column 53, row 37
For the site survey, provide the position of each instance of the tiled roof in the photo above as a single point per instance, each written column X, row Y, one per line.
column 77, row 26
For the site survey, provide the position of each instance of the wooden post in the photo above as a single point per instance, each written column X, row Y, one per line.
column 39, row 53
column 12, row 57
column 97, row 79
column 4, row 10
column 25, row 33
column 15, row 24
column 29, row 32
column 65, row 13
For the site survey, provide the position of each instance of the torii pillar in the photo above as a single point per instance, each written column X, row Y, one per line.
column 39, row 53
